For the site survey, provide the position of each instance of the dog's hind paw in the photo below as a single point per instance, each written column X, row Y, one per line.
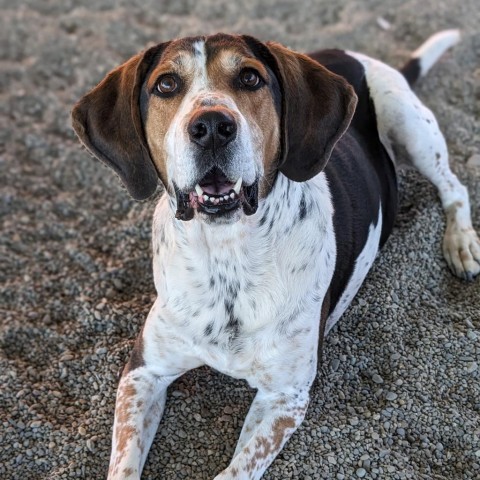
column 461, row 248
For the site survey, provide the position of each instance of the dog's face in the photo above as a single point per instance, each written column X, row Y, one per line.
column 215, row 118
column 206, row 133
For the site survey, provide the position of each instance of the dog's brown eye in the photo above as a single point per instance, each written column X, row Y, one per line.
column 167, row 84
column 250, row 78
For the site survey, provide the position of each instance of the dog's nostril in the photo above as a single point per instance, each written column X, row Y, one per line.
column 198, row 130
column 226, row 129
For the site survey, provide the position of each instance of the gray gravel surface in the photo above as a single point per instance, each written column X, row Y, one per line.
column 398, row 391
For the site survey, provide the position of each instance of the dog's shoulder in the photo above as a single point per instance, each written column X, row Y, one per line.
column 343, row 64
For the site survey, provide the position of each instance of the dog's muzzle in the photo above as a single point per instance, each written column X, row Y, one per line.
column 216, row 195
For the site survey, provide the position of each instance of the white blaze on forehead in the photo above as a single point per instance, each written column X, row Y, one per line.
column 199, row 59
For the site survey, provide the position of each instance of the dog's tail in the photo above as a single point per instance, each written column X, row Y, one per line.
column 425, row 56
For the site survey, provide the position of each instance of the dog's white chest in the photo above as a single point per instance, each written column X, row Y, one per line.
column 245, row 301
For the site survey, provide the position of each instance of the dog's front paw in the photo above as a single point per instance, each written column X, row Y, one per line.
column 461, row 248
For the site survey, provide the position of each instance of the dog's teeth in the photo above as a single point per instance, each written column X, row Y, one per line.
column 199, row 190
column 206, row 197
column 232, row 195
column 238, row 186
column 226, row 197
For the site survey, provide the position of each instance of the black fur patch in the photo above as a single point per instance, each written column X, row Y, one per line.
column 360, row 174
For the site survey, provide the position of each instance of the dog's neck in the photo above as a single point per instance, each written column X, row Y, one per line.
column 286, row 204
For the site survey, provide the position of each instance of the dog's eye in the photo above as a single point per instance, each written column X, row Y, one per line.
column 250, row 78
column 167, row 84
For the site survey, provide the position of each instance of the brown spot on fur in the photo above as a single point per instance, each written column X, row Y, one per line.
column 124, row 403
column 451, row 211
column 128, row 471
column 136, row 357
column 279, row 430
column 267, row 446
column 147, row 423
column 125, row 433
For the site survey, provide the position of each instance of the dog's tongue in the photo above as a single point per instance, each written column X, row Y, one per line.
column 216, row 183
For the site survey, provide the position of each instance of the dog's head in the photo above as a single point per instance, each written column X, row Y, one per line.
column 215, row 118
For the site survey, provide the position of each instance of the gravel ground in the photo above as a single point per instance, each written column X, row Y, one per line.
column 398, row 391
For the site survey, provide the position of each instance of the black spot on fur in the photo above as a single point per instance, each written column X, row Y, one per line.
column 208, row 329
column 302, row 213
column 212, row 282
column 264, row 217
column 228, row 307
column 233, row 290
column 233, row 327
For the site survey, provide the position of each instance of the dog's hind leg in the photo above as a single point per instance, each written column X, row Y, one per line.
column 411, row 135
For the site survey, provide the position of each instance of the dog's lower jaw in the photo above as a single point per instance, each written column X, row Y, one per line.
column 186, row 207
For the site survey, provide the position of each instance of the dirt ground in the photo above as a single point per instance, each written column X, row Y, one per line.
column 75, row 261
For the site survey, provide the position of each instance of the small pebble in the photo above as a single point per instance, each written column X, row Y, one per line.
column 361, row 472
column 471, row 367
column 391, row 396
column 474, row 161
column 334, row 364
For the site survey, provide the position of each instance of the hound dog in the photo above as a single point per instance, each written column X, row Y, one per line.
column 280, row 188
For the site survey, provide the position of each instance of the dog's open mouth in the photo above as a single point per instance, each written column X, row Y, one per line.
column 215, row 194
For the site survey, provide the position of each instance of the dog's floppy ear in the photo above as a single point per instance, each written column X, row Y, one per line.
column 317, row 107
column 108, row 122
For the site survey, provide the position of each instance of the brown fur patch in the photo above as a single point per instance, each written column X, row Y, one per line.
column 279, row 430
column 124, row 432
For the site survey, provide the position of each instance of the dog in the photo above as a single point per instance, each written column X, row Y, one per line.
column 279, row 175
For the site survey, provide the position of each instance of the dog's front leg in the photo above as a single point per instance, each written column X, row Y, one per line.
column 272, row 419
column 139, row 407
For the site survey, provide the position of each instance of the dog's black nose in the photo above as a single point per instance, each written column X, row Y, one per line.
column 212, row 129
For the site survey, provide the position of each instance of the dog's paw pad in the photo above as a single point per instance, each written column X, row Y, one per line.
column 461, row 248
